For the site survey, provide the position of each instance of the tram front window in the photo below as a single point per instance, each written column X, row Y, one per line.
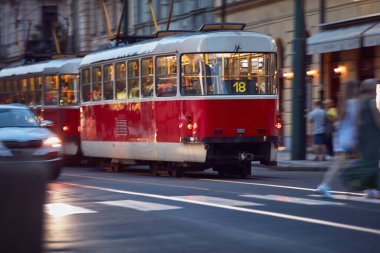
column 228, row 74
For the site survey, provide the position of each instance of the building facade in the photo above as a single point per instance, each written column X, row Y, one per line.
column 33, row 30
column 343, row 41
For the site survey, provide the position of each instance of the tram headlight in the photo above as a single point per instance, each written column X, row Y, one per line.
column 54, row 142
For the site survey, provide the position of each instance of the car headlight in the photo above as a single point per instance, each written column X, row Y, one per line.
column 54, row 142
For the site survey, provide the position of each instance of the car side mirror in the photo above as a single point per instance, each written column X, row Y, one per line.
column 47, row 123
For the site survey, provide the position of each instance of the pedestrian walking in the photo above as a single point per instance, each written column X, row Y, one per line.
column 345, row 138
column 363, row 174
column 331, row 113
column 317, row 118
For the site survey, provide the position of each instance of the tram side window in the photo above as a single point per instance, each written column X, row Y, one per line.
column 96, row 83
column 51, row 90
column 2, row 92
column 85, row 85
column 31, row 98
column 19, row 90
column 39, row 83
column 147, row 77
column 108, row 79
column 166, row 76
column 120, row 81
column 9, row 91
column 191, row 71
column 133, row 79
column 68, row 93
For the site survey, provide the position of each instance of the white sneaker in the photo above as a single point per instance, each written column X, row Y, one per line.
column 324, row 190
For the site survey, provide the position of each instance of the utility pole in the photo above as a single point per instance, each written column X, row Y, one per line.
column 299, row 91
column 223, row 11
column 126, row 20
column 321, row 64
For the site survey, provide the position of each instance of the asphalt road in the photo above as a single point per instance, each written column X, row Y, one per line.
column 88, row 210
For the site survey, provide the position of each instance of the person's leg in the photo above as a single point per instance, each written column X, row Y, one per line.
column 330, row 174
column 315, row 147
column 323, row 150
column 324, row 187
column 319, row 152
column 329, row 146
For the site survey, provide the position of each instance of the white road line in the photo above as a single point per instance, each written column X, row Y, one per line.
column 303, row 201
column 351, row 198
column 241, row 209
column 218, row 201
column 137, row 182
column 62, row 209
column 280, row 186
column 139, row 205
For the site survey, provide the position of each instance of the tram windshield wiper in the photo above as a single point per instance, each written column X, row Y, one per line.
column 236, row 49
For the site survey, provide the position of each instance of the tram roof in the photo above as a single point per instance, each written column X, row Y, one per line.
column 190, row 42
column 56, row 66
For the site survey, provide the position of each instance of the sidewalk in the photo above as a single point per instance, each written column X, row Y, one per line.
column 285, row 163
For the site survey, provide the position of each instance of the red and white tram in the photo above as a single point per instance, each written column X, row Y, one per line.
column 189, row 101
column 51, row 89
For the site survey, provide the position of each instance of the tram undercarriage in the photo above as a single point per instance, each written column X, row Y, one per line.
column 235, row 158
column 228, row 159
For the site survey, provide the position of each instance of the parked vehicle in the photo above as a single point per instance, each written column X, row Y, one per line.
column 24, row 139
column 51, row 89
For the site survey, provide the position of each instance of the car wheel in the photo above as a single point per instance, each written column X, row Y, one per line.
column 54, row 173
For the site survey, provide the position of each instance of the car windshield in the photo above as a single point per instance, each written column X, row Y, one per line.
column 14, row 117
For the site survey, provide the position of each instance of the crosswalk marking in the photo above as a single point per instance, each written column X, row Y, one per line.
column 294, row 200
column 62, row 209
column 218, row 201
column 352, row 198
column 234, row 208
column 139, row 205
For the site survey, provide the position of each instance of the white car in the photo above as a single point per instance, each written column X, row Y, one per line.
column 24, row 139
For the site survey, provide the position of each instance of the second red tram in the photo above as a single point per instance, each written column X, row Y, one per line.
column 190, row 101
column 51, row 89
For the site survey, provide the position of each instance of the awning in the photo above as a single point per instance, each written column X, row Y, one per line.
column 338, row 39
column 372, row 36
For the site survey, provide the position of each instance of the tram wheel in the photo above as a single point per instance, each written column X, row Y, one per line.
column 245, row 170
column 103, row 164
column 115, row 167
column 223, row 173
column 177, row 172
column 154, row 170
